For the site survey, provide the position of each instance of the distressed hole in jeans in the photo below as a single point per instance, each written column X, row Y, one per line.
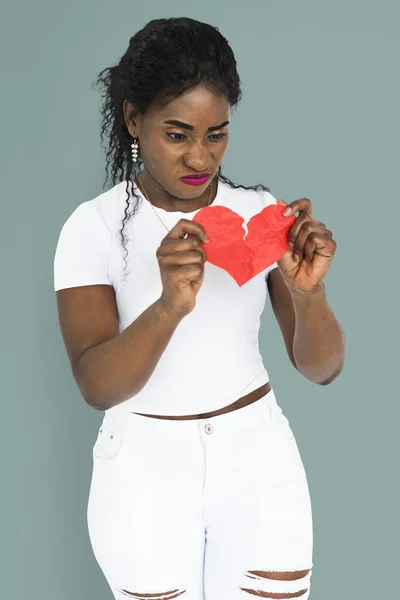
column 153, row 596
column 287, row 576
column 261, row 594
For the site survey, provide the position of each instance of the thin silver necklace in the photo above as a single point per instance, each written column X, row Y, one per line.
column 144, row 191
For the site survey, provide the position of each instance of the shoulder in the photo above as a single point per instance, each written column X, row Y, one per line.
column 109, row 204
column 100, row 213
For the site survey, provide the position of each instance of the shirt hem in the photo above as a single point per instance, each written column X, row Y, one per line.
column 131, row 406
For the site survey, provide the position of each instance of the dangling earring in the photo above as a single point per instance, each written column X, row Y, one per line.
column 135, row 151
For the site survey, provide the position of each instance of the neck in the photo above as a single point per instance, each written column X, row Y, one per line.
column 160, row 198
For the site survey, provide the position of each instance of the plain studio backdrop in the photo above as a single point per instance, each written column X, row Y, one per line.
column 319, row 118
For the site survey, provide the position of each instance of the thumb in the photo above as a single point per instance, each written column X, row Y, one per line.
column 281, row 201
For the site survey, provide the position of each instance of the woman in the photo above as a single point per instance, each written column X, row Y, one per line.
column 198, row 487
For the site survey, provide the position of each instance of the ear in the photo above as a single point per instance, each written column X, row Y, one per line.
column 131, row 118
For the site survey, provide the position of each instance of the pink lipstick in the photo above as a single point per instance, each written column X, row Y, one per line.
column 195, row 180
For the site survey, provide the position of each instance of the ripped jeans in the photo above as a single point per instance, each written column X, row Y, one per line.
column 215, row 508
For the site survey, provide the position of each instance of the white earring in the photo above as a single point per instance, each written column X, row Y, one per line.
column 135, row 151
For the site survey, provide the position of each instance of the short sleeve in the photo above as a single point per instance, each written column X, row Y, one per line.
column 269, row 199
column 82, row 254
column 273, row 266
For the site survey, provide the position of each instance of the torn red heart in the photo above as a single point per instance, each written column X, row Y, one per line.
column 244, row 256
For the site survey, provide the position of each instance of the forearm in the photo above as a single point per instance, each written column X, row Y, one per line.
column 319, row 340
column 115, row 370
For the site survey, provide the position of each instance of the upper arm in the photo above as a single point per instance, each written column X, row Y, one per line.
column 282, row 306
column 88, row 315
column 86, row 302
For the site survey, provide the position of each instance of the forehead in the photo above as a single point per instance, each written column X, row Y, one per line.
column 199, row 107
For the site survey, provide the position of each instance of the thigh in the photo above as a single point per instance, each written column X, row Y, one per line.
column 144, row 511
column 260, row 517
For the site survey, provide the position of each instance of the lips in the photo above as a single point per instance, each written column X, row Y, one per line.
column 196, row 176
column 195, row 179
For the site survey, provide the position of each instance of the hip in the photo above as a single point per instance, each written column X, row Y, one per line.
column 225, row 443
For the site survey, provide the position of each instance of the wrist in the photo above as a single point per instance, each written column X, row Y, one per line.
column 165, row 313
column 315, row 293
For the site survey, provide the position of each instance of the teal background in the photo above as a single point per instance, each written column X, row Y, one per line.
column 319, row 118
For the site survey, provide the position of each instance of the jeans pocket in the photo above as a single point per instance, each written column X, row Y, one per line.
column 284, row 455
column 280, row 421
column 285, row 432
column 276, row 415
column 108, row 444
column 111, row 437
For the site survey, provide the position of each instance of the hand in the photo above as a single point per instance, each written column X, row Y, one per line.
column 181, row 263
column 314, row 245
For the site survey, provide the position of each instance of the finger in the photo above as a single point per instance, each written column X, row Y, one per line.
column 307, row 229
column 321, row 244
column 177, row 259
column 181, row 246
column 297, row 225
column 302, row 204
column 185, row 226
column 282, row 202
column 301, row 221
column 309, row 248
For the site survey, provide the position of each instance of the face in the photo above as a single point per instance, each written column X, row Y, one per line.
column 193, row 146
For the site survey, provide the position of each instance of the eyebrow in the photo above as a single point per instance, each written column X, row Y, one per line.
column 190, row 127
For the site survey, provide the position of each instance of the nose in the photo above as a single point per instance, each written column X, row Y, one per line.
column 199, row 158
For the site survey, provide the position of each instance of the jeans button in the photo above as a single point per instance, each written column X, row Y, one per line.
column 208, row 428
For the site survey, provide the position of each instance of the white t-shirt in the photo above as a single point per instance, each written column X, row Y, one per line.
column 213, row 356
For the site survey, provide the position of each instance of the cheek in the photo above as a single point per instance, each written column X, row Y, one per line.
column 159, row 151
column 223, row 146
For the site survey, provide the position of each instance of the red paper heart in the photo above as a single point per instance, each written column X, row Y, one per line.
column 244, row 257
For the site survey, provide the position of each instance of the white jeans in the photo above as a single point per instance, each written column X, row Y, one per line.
column 196, row 508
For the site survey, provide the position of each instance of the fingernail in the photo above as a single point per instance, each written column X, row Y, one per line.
column 206, row 239
column 296, row 257
column 287, row 211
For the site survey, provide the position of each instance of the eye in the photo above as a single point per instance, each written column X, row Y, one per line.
column 170, row 134
column 215, row 137
column 218, row 136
